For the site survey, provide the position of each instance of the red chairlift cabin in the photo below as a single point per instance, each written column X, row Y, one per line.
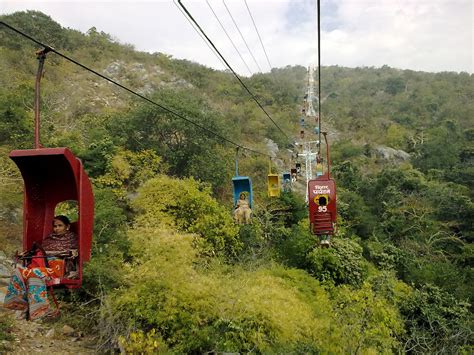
column 294, row 174
column 298, row 168
column 322, row 202
column 322, row 205
column 51, row 176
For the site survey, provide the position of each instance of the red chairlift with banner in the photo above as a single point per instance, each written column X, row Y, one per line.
column 322, row 204
column 52, row 176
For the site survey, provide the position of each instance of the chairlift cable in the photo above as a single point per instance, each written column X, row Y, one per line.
column 258, row 34
column 228, row 37
column 241, row 35
column 164, row 108
column 232, row 70
column 199, row 33
column 319, row 77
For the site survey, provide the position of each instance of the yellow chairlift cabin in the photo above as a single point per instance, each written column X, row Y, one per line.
column 274, row 187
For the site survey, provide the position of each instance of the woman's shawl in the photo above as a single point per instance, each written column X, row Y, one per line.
column 54, row 243
column 242, row 204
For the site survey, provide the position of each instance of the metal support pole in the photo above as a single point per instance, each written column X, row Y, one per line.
column 41, row 56
column 237, row 161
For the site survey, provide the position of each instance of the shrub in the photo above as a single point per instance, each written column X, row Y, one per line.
column 214, row 309
column 436, row 322
column 293, row 249
column 140, row 343
column 187, row 205
column 342, row 263
column 167, row 297
column 386, row 256
column 366, row 320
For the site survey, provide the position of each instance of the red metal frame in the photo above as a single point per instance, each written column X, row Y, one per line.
column 53, row 175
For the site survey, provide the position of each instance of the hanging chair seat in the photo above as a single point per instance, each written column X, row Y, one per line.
column 242, row 184
column 322, row 205
column 273, row 185
column 51, row 176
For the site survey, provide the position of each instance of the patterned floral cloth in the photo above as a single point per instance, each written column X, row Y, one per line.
column 27, row 288
column 28, row 294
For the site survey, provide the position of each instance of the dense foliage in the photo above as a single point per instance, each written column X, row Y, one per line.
column 171, row 272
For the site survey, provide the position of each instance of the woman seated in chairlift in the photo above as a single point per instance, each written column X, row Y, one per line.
column 242, row 210
column 27, row 288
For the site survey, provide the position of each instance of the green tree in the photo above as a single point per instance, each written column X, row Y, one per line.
column 397, row 136
column 342, row 263
column 436, row 322
column 366, row 320
column 127, row 170
column 347, row 175
column 394, row 86
column 110, row 245
column 439, row 151
column 16, row 123
column 45, row 29
column 356, row 213
column 188, row 206
column 187, row 149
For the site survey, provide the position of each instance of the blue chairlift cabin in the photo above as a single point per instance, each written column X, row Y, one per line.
column 241, row 184
column 286, row 182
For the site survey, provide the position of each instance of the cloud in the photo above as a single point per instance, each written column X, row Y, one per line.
column 420, row 35
column 435, row 35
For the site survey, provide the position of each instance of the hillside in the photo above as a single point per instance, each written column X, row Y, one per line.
column 171, row 271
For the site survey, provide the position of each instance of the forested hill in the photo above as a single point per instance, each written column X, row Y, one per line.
column 170, row 270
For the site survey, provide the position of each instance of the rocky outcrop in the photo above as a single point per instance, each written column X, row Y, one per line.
column 6, row 269
column 390, row 154
column 272, row 147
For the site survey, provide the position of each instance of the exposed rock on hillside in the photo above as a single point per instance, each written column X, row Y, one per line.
column 390, row 154
column 272, row 147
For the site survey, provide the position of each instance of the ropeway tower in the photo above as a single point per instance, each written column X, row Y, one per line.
column 309, row 157
column 310, row 112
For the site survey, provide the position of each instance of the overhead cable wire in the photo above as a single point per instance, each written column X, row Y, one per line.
column 319, row 77
column 164, row 108
column 258, row 34
column 199, row 33
column 233, row 71
column 230, row 39
column 241, row 36
column 275, row 80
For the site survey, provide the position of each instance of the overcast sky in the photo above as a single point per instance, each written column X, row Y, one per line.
column 427, row 35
